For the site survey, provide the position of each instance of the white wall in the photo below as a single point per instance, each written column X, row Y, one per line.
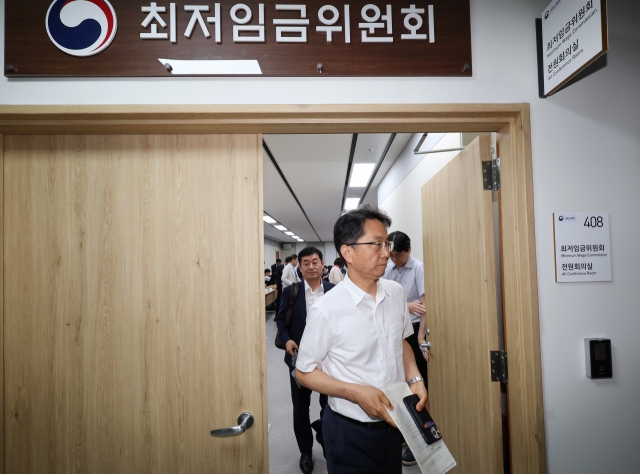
column 403, row 204
column 330, row 253
column 270, row 249
column 327, row 249
column 586, row 156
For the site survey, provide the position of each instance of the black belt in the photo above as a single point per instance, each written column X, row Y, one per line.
column 374, row 425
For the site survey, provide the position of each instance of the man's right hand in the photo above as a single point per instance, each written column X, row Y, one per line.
column 417, row 308
column 373, row 401
column 291, row 346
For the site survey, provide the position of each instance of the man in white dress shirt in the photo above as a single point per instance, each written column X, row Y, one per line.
column 290, row 272
column 353, row 346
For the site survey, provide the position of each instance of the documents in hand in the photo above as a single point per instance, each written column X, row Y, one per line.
column 432, row 458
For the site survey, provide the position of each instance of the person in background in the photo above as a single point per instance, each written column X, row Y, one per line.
column 409, row 272
column 325, row 273
column 276, row 279
column 312, row 288
column 267, row 277
column 354, row 346
column 336, row 275
column 290, row 272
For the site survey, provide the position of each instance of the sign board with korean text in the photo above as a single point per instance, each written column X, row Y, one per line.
column 574, row 35
column 103, row 38
column 583, row 251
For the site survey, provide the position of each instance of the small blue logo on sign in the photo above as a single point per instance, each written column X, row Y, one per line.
column 81, row 27
column 561, row 218
column 546, row 15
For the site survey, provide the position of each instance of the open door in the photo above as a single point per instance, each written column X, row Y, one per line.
column 460, row 281
column 133, row 317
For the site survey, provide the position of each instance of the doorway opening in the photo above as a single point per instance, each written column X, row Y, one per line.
column 309, row 180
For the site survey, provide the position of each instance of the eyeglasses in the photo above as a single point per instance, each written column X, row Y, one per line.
column 378, row 245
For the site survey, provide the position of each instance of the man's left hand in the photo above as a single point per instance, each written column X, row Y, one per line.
column 419, row 389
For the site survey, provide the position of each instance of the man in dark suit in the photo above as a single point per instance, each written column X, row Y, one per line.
column 310, row 289
column 276, row 279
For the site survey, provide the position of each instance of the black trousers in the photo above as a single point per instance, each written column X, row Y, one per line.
column 279, row 290
column 301, row 398
column 420, row 361
column 352, row 448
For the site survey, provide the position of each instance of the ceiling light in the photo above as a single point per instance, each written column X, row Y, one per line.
column 351, row 203
column 295, row 236
column 361, row 174
column 281, row 227
column 300, row 240
column 289, row 233
column 269, row 219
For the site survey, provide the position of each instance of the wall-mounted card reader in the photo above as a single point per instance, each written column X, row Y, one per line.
column 598, row 357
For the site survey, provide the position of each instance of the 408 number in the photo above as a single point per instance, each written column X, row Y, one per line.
column 593, row 221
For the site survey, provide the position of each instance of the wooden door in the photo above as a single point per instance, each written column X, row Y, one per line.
column 460, row 282
column 133, row 304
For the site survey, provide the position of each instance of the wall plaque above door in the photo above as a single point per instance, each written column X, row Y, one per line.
column 122, row 38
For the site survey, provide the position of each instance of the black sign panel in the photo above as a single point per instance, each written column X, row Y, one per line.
column 197, row 37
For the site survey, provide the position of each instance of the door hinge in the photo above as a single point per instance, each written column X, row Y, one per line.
column 491, row 174
column 499, row 367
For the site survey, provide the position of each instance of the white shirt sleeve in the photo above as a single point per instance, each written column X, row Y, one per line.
column 316, row 342
column 420, row 279
column 286, row 276
column 408, row 326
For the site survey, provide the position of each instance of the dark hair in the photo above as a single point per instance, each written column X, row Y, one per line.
column 350, row 226
column 338, row 261
column 267, row 270
column 287, row 259
column 308, row 251
column 293, row 257
column 401, row 241
column 278, row 260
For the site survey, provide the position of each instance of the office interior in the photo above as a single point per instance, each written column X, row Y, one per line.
column 584, row 147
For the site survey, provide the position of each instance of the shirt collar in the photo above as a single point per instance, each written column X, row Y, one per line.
column 357, row 294
column 409, row 263
column 307, row 287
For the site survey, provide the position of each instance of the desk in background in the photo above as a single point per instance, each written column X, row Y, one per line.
column 270, row 295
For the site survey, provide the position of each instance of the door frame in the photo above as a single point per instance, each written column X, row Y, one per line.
column 511, row 122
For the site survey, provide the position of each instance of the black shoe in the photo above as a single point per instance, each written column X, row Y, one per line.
column 407, row 458
column 306, row 463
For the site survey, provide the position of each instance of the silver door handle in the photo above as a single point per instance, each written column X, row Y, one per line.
column 245, row 422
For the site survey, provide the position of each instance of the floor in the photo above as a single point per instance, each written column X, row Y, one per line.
column 283, row 450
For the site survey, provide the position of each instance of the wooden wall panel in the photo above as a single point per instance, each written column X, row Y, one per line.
column 134, row 304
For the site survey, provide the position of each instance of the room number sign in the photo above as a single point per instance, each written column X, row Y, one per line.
column 582, row 246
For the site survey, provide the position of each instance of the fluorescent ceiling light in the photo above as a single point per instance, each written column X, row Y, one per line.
column 351, row 203
column 281, row 227
column 269, row 220
column 289, row 232
column 295, row 236
column 360, row 174
column 300, row 240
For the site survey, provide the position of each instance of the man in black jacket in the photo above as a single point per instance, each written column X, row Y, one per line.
column 276, row 279
column 309, row 291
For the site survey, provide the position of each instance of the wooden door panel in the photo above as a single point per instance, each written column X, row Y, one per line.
column 461, row 310
column 133, row 303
